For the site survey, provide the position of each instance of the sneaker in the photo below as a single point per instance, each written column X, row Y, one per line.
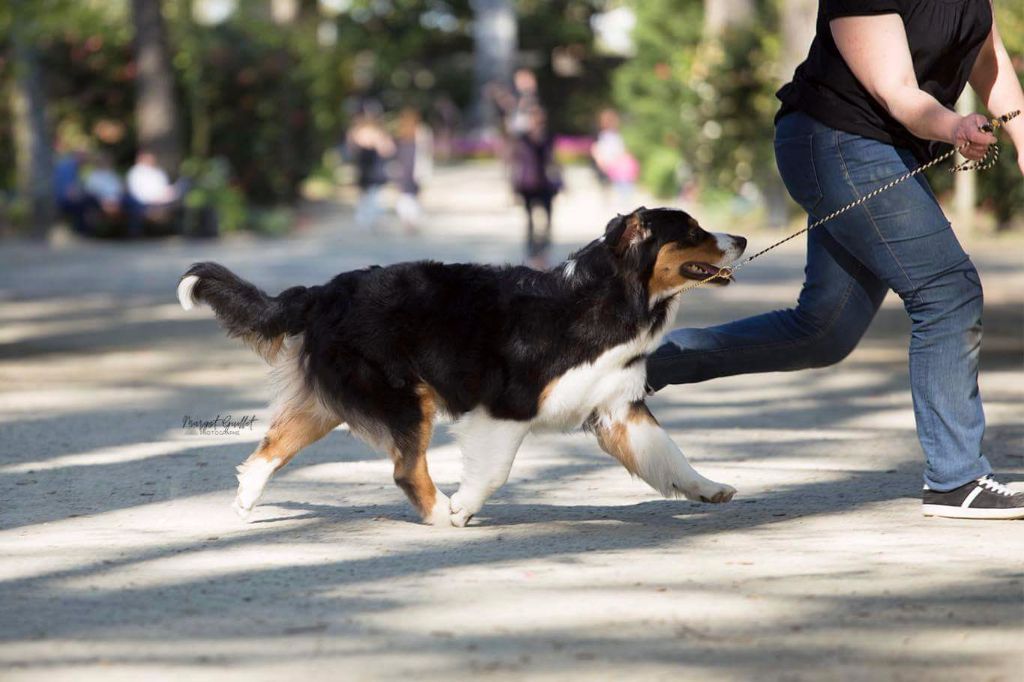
column 985, row 498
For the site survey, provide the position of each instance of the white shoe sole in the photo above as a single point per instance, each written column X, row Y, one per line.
column 950, row 512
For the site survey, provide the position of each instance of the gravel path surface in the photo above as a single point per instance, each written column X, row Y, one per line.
column 120, row 558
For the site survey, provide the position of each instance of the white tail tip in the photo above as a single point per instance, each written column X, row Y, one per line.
column 185, row 287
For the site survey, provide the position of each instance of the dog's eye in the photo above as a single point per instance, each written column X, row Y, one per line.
column 695, row 234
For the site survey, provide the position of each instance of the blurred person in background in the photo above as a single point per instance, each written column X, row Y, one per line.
column 613, row 161
column 72, row 201
column 414, row 163
column 370, row 147
column 536, row 179
column 874, row 100
column 524, row 101
column 104, row 185
column 149, row 184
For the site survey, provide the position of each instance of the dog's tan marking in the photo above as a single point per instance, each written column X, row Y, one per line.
column 614, row 437
column 634, row 232
column 546, row 391
column 614, row 440
column 667, row 275
column 411, row 472
column 290, row 432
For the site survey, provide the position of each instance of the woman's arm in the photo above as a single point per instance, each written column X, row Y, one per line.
column 876, row 50
column 996, row 82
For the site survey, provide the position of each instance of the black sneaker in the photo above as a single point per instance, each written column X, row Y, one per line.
column 985, row 498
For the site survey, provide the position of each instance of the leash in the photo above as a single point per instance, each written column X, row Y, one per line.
column 986, row 162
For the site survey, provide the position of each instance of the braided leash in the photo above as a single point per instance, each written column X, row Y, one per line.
column 989, row 160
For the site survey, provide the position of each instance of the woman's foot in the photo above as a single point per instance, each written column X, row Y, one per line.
column 984, row 498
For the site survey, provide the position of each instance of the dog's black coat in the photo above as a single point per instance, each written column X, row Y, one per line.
column 476, row 335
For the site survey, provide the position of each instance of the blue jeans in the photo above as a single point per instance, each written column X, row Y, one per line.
column 899, row 240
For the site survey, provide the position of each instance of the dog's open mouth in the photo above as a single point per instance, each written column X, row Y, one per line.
column 702, row 271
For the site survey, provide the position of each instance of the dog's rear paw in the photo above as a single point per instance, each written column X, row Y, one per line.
column 242, row 509
column 459, row 514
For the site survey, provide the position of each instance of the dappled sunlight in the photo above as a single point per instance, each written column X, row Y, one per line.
column 120, row 551
column 127, row 453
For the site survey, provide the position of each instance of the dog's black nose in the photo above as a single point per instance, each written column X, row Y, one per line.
column 741, row 242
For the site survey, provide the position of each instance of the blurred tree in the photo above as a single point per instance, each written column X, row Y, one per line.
column 494, row 54
column 1001, row 189
column 33, row 149
column 722, row 14
column 557, row 40
column 797, row 20
column 157, row 122
column 654, row 90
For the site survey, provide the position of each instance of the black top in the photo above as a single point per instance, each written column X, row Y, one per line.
column 944, row 37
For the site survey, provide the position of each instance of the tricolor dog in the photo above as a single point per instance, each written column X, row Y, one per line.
column 502, row 350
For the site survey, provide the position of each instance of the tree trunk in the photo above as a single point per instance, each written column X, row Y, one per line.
column 34, row 153
column 494, row 52
column 798, row 27
column 965, row 185
column 720, row 14
column 156, row 111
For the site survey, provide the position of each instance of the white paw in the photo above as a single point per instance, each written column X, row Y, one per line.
column 460, row 512
column 241, row 508
column 707, row 491
column 716, row 493
column 252, row 479
column 439, row 515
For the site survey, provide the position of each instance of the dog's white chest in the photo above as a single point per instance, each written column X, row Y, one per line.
column 616, row 376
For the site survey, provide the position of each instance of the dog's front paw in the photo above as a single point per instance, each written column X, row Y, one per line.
column 716, row 493
column 706, row 491
column 459, row 513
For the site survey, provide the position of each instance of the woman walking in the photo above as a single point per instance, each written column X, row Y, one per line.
column 536, row 180
column 873, row 101
column 371, row 146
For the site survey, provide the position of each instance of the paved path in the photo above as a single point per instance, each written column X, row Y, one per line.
column 120, row 558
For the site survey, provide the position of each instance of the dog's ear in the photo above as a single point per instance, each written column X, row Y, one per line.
column 625, row 230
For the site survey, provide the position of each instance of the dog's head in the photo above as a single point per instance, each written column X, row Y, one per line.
column 668, row 248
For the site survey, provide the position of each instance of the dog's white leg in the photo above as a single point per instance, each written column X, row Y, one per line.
column 632, row 435
column 290, row 432
column 488, row 448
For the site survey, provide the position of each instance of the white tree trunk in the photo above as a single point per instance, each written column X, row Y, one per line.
column 494, row 52
column 720, row 14
column 965, row 185
column 798, row 28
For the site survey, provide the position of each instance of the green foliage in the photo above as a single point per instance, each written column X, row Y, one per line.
column 564, row 25
column 702, row 111
column 654, row 90
column 212, row 190
column 1001, row 188
column 698, row 109
column 736, row 82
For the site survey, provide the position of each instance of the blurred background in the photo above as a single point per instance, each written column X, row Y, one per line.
column 152, row 118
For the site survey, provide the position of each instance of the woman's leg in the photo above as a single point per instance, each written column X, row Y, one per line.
column 899, row 240
column 545, row 238
column 528, row 200
column 837, row 303
column 906, row 241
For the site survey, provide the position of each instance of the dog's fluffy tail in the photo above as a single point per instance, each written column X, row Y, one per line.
column 247, row 313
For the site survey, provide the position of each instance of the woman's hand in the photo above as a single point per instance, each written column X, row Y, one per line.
column 968, row 137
